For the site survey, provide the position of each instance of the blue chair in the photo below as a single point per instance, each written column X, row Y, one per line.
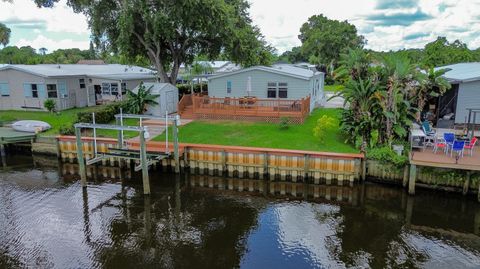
column 426, row 128
column 449, row 140
column 458, row 147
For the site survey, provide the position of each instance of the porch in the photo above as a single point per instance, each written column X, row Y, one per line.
column 246, row 108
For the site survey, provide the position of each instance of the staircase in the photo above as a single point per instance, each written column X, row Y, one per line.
column 185, row 107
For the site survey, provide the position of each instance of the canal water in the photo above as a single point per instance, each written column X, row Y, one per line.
column 47, row 220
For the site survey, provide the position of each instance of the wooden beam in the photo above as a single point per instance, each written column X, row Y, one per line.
column 412, row 179
column 81, row 161
column 144, row 163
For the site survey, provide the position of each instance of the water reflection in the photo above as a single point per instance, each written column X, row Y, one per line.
column 48, row 220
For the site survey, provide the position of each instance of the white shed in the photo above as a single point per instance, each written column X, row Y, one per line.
column 167, row 99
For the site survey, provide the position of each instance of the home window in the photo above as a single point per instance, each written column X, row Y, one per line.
column 106, row 88
column 52, row 91
column 282, row 90
column 229, row 87
column 114, row 88
column 82, row 83
column 124, row 88
column 34, row 91
column 4, row 89
column 272, row 90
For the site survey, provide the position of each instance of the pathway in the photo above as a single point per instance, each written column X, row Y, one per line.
column 337, row 102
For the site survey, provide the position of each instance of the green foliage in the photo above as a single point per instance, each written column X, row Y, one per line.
column 323, row 40
column 323, row 126
column 284, row 123
column 187, row 88
column 102, row 116
column 67, row 129
column 386, row 155
column 50, row 104
column 137, row 103
column 4, row 34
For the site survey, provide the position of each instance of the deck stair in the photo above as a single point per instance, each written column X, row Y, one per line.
column 187, row 112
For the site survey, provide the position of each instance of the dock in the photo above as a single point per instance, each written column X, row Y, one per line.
column 10, row 136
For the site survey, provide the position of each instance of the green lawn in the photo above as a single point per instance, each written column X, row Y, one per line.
column 267, row 135
column 62, row 118
column 333, row 88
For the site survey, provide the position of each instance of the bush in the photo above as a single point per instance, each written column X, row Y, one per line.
column 50, row 105
column 187, row 88
column 284, row 123
column 322, row 127
column 387, row 155
column 102, row 116
column 67, row 130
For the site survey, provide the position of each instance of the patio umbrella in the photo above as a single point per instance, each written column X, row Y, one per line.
column 249, row 85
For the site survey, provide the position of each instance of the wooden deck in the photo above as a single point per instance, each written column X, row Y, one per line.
column 428, row 158
column 8, row 136
column 247, row 108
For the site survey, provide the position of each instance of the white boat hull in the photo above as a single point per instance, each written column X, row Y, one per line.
column 31, row 126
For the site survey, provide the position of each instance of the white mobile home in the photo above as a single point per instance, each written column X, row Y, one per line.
column 167, row 98
column 282, row 82
column 70, row 85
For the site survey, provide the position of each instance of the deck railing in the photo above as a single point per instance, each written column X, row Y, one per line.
column 185, row 101
column 251, row 107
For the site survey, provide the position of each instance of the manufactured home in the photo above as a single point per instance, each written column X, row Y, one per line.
column 281, row 82
column 70, row 85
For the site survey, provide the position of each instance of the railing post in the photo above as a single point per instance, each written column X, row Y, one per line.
column 144, row 163
column 81, row 161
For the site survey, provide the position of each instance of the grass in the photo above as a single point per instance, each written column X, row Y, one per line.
column 62, row 118
column 333, row 88
column 233, row 133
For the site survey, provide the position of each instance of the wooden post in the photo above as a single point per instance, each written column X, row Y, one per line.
column 412, row 178
column 81, row 161
column 120, row 134
column 306, row 168
column 405, row 176
column 144, row 164
column 265, row 164
column 364, row 169
column 175, row 144
column 224, row 162
column 466, row 184
column 3, row 155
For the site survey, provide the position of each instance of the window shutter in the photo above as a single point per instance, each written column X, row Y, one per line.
column 4, row 89
column 42, row 93
column 27, row 90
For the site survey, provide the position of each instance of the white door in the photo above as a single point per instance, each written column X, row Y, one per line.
column 91, row 95
column 170, row 102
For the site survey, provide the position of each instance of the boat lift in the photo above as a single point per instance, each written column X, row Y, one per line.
column 122, row 151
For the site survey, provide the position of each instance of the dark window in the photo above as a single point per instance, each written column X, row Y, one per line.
column 82, row 83
column 52, row 91
column 272, row 90
column 114, row 88
column 34, row 91
column 282, row 90
column 124, row 88
column 229, row 87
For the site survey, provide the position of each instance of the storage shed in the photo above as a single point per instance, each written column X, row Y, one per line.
column 167, row 99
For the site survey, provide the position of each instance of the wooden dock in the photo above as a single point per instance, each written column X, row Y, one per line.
column 441, row 160
column 10, row 136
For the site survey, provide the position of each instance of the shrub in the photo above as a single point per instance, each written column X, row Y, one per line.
column 284, row 123
column 102, row 116
column 187, row 88
column 387, row 155
column 50, row 105
column 67, row 130
column 322, row 127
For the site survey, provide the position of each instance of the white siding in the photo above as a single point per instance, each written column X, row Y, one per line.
column 468, row 97
column 217, row 87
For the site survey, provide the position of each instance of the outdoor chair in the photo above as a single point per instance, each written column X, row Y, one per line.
column 458, row 147
column 471, row 145
column 440, row 143
column 449, row 140
column 429, row 133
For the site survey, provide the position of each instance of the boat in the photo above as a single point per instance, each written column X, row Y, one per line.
column 31, row 126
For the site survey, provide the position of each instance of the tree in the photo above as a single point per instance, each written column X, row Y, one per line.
column 432, row 84
column 170, row 33
column 442, row 52
column 323, row 40
column 4, row 34
column 42, row 51
column 353, row 65
column 137, row 102
column 91, row 51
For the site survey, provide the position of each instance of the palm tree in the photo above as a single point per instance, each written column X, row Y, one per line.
column 137, row 102
column 42, row 51
column 432, row 84
column 353, row 64
column 4, row 34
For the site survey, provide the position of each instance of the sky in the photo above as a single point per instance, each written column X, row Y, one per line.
column 386, row 24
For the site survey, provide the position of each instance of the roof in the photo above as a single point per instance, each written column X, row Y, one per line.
column 86, row 61
column 108, row 71
column 157, row 87
column 281, row 69
column 462, row 72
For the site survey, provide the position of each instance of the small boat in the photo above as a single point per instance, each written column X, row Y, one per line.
column 31, row 126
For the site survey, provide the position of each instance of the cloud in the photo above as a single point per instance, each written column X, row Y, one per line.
column 398, row 18
column 415, row 36
column 42, row 41
column 394, row 4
